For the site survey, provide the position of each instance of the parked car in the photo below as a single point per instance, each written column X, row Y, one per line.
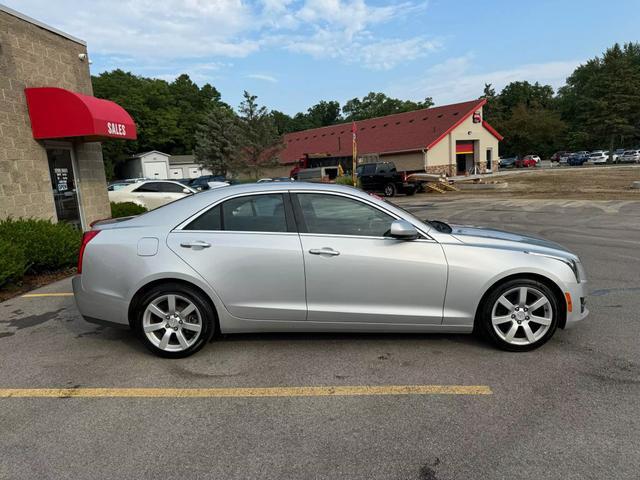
column 528, row 161
column 598, row 157
column 509, row 162
column 617, row 154
column 564, row 158
column 204, row 181
column 206, row 264
column 578, row 158
column 382, row 177
column 630, row 156
column 151, row 194
column 558, row 155
column 318, row 174
column 118, row 185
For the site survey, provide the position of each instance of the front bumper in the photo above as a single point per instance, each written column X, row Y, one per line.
column 579, row 310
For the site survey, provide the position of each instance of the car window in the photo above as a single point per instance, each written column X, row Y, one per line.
column 255, row 213
column 332, row 214
column 170, row 187
column 149, row 187
column 369, row 169
column 210, row 220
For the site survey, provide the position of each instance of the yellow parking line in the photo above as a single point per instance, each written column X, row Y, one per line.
column 325, row 391
column 35, row 295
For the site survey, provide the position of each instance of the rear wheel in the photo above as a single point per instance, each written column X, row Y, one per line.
column 174, row 320
column 519, row 315
column 389, row 190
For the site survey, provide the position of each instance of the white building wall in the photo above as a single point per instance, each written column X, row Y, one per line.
column 442, row 157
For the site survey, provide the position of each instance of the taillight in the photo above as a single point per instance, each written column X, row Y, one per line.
column 86, row 238
column 404, row 176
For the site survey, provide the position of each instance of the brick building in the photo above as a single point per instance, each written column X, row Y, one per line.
column 50, row 126
column 451, row 139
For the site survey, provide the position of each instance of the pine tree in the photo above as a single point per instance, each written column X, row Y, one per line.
column 260, row 142
column 218, row 140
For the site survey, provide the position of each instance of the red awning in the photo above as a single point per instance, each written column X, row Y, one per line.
column 60, row 113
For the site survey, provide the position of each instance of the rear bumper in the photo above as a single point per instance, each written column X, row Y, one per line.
column 98, row 307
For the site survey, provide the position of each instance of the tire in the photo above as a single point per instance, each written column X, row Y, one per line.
column 168, row 335
column 515, row 329
column 390, row 190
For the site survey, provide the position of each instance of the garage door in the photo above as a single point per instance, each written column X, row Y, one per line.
column 155, row 170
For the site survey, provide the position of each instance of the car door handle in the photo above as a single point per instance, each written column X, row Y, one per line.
column 324, row 251
column 196, row 244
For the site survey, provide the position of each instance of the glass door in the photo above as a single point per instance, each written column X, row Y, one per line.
column 63, row 183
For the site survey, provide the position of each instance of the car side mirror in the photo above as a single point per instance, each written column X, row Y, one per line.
column 403, row 230
column 186, row 190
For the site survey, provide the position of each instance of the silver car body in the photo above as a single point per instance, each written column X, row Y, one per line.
column 263, row 281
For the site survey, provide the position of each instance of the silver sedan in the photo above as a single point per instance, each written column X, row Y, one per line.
column 297, row 257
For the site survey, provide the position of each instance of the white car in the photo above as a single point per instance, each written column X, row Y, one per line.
column 151, row 194
column 598, row 157
column 630, row 156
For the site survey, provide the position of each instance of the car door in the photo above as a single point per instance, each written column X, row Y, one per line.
column 170, row 191
column 146, row 194
column 248, row 250
column 354, row 273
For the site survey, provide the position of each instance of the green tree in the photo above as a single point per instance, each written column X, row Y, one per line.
column 601, row 101
column 378, row 105
column 324, row 113
column 283, row 122
column 533, row 130
column 166, row 114
column 218, row 140
column 260, row 142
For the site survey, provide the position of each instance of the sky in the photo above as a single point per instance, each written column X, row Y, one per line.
column 294, row 53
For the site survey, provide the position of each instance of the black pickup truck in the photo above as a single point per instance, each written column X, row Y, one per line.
column 383, row 177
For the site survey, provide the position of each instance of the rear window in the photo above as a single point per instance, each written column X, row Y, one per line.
column 251, row 213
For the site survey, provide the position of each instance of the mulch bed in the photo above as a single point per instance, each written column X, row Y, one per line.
column 31, row 282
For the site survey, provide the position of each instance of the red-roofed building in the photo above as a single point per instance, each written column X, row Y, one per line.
column 451, row 139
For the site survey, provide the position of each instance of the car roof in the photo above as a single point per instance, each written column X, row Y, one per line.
column 177, row 211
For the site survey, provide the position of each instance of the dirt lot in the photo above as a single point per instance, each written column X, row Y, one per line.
column 586, row 183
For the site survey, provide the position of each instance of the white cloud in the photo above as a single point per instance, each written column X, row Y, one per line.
column 457, row 79
column 264, row 78
column 152, row 30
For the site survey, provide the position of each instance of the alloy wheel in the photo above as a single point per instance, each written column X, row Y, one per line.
column 172, row 323
column 522, row 315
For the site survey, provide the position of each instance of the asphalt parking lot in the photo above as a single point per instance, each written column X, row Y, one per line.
column 570, row 410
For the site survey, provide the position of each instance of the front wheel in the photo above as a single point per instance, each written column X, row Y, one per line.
column 174, row 320
column 519, row 315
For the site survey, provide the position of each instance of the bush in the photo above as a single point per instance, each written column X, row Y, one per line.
column 346, row 180
column 126, row 209
column 13, row 263
column 46, row 246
